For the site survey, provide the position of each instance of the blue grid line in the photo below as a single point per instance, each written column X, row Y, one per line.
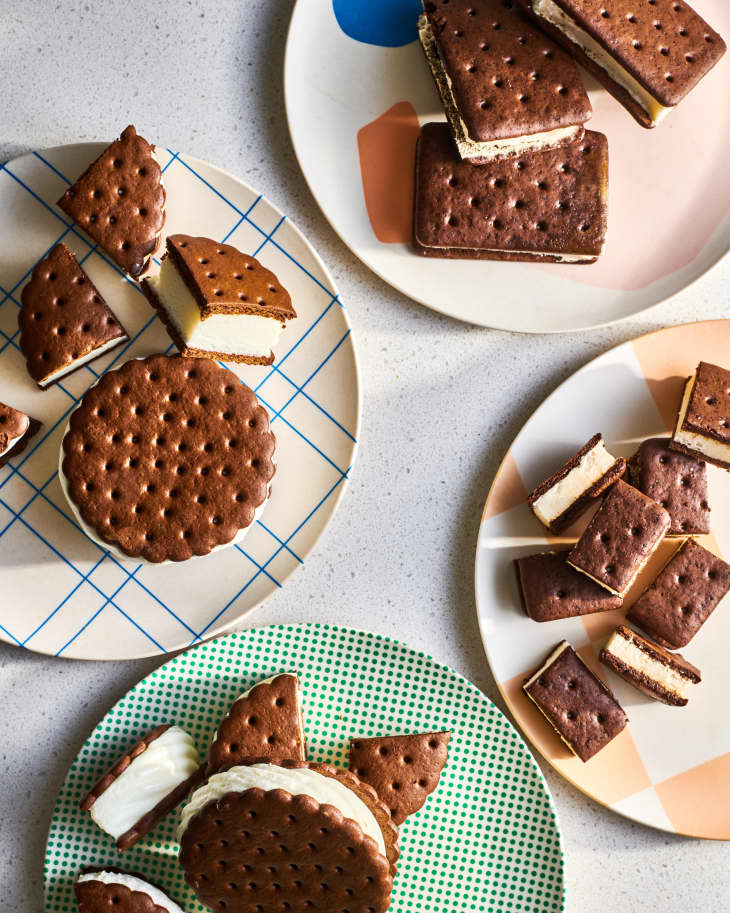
column 256, row 564
column 52, row 167
column 82, row 628
column 25, row 275
column 173, row 159
column 11, row 636
column 64, row 601
column 38, row 491
column 106, row 553
column 283, row 544
column 266, row 237
column 248, row 584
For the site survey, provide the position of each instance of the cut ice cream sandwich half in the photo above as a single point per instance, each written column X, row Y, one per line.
column 217, row 302
column 648, row 55
column 123, row 892
column 146, row 783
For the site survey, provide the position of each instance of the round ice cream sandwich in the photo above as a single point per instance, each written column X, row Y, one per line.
column 267, row 832
column 123, row 892
column 144, row 785
column 167, row 458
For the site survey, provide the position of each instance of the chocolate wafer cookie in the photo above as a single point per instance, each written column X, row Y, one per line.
column 265, row 722
column 64, row 321
column 144, row 785
column 648, row 55
column 402, row 769
column 124, row 892
column 676, row 481
column 506, row 87
column 16, row 429
column 297, row 831
column 683, row 596
column 217, row 302
column 547, row 206
column 119, row 201
column 551, row 589
column 577, row 704
column 166, row 458
column 703, row 423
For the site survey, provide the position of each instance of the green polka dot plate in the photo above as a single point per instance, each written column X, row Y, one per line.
column 486, row 840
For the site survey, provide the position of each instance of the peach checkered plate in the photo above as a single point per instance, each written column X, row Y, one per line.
column 670, row 768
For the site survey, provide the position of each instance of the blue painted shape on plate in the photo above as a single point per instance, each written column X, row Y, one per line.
column 386, row 23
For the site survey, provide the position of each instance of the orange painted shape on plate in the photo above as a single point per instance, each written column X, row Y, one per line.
column 508, row 489
column 387, row 148
column 615, row 773
column 666, row 366
column 697, row 801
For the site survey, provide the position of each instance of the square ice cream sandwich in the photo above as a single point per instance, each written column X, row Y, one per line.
column 703, row 423
column 217, row 302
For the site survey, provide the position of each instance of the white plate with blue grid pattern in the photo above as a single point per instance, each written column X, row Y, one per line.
column 63, row 594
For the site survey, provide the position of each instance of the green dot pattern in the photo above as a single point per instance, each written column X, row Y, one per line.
column 486, row 840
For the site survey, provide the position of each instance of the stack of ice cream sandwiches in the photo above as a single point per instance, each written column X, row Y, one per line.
column 665, row 495
column 514, row 174
column 262, row 825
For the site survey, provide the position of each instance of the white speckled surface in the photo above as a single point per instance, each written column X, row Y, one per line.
column 442, row 403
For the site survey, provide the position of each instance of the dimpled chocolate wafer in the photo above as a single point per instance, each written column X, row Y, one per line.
column 676, row 481
column 168, row 457
column 119, row 201
column 683, row 596
column 577, row 704
column 548, row 205
column 265, row 722
column 264, row 847
column 621, row 536
column 64, row 321
column 16, row 429
column 506, row 87
column 649, row 55
column 551, row 589
column 99, row 889
column 402, row 769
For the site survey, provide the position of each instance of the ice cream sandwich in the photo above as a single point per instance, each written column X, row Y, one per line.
column 547, row 206
column 648, row 55
column 296, row 830
column 506, row 87
column 16, row 429
column 167, row 458
column 703, row 424
column 661, row 675
column 217, row 302
column 569, row 491
column 64, row 321
column 119, row 201
column 123, row 892
column 144, row 785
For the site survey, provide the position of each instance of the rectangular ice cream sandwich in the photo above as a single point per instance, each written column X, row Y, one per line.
column 703, row 423
column 662, row 675
column 506, row 87
column 569, row 492
column 648, row 55
column 547, row 206
column 621, row 537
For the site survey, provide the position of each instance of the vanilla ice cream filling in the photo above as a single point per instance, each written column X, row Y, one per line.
column 636, row 659
column 134, row 884
column 559, row 497
column 12, row 442
column 471, row 148
column 74, row 365
column 230, row 334
column 700, row 443
column 166, row 763
column 552, row 13
column 298, row 781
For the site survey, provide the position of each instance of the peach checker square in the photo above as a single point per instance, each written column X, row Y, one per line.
column 670, row 767
column 669, row 213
